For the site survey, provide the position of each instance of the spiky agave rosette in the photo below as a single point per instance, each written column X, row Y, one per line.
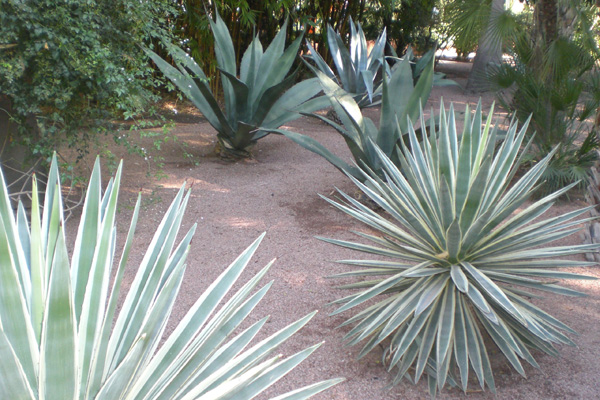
column 466, row 253
column 62, row 337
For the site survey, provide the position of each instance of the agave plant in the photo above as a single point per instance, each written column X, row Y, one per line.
column 465, row 251
column 62, row 338
column 262, row 96
column 401, row 101
column 357, row 68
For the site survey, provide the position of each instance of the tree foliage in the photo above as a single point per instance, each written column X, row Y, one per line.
column 75, row 64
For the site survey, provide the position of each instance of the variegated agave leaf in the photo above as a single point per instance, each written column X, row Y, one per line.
column 466, row 253
column 263, row 95
column 61, row 336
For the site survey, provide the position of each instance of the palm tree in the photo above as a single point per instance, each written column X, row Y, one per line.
column 489, row 50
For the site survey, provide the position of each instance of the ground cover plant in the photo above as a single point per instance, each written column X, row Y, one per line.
column 401, row 101
column 465, row 256
column 263, row 97
column 61, row 336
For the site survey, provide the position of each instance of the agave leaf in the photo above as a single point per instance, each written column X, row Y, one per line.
column 117, row 382
column 496, row 293
column 203, row 361
column 274, row 374
column 146, row 281
column 342, row 59
column 273, row 94
column 99, row 358
column 418, row 97
column 414, row 329
column 367, row 78
column 37, row 263
column 281, row 64
column 459, row 278
column 87, row 234
column 14, row 319
column 96, row 275
column 58, row 347
column 13, row 382
column 308, row 391
column 431, row 293
column 211, row 368
column 396, row 102
column 445, row 333
column 292, row 103
column 199, row 314
column 252, row 355
column 319, row 61
column 225, row 55
column 241, row 103
column 250, row 62
column 199, row 359
column 393, row 316
column 275, row 62
column 461, row 350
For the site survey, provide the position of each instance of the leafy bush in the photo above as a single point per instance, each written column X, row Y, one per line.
column 261, row 98
column 400, row 102
column 61, row 336
column 358, row 69
column 465, row 250
column 75, row 66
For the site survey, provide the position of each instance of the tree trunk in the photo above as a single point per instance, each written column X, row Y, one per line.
column 489, row 52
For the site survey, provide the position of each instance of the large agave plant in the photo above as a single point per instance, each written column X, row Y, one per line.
column 357, row 68
column 401, row 101
column 466, row 252
column 263, row 95
column 61, row 336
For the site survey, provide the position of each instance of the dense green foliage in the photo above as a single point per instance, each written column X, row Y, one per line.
column 75, row 65
column 560, row 92
column 465, row 256
column 263, row 97
column 553, row 77
column 61, row 336
column 407, row 22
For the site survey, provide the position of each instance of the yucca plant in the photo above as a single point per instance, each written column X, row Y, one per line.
column 263, row 95
column 465, row 254
column 358, row 70
column 61, row 336
column 401, row 101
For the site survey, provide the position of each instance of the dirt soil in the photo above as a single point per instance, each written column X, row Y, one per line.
column 278, row 192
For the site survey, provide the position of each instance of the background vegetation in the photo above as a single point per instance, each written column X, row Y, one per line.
column 70, row 69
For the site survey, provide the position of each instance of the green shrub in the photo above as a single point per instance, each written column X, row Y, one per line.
column 556, row 84
column 262, row 98
column 61, row 336
column 465, row 251
column 71, row 68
